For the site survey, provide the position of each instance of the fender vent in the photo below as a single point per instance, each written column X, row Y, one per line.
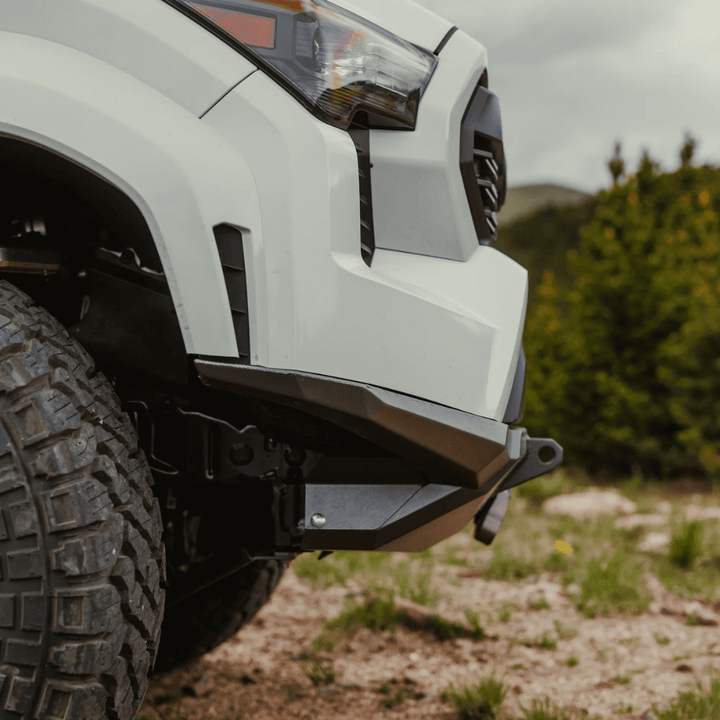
column 230, row 249
column 482, row 163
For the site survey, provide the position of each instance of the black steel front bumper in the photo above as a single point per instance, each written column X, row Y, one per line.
column 465, row 459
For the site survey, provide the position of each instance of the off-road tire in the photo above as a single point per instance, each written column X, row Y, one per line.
column 207, row 619
column 81, row 558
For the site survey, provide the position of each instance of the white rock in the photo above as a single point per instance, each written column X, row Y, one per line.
column 573, row 589
column 413, row 657
column 664, row 507
column 628, row 522
column 654, row 542
column 695, row 512
column 588, row 504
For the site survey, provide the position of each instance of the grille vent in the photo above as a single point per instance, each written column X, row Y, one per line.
column 482, row 162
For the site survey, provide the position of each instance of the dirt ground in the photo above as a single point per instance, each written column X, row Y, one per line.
column 258, row 673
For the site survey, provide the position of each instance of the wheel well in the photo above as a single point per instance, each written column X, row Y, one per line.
column 110, row 292
column 57, row 214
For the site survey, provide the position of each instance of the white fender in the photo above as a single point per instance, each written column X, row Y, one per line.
column 182, row 176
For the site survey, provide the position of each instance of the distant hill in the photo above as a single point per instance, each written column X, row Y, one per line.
column 523, row 201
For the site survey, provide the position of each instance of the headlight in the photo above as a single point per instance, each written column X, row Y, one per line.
column 338, row 62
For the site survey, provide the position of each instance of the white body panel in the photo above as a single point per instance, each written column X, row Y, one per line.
column 419, row 200
column 146, row 39
column 442, row 330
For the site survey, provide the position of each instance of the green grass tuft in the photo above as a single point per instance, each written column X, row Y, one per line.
column 612, row 586
column 564, row 633
column 320, row 673
column 661, row 639
column 622, row 679
column 505, row 612
column 541, row 604
column 696, row 704
column 478, row 702
column 397, row 699
column 447, row 629
column 686, row 544
column 543, row 643
column 548, row 710
column 572, row 661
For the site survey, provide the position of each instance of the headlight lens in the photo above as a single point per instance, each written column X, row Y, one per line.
column 338, row 62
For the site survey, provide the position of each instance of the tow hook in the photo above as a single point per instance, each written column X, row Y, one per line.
column 525, row 464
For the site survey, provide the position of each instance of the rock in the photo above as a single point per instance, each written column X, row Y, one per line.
column 628, row 522
column 664, row 507
column 588, row 504
column 654, row 542
column 695, row 512
column 573, row 589
column 684, row 668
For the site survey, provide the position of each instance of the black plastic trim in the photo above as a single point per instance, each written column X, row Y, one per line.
column 445, row 40
column 232, row 258
column 361, row 137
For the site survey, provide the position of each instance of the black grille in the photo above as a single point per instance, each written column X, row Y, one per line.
column 482, row 163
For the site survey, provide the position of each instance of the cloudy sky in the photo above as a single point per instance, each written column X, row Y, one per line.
column 574, row 76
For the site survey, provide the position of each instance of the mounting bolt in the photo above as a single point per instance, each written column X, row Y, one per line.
column 318, row 520
column 241, row 454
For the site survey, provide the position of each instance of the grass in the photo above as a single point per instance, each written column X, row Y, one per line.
column 541, row 604
column 661, row 639
column 698, row 703
column 622, row 679
column 339, row 567
column 612, row 586
column 478, row 702
column 547, row 710
column 319, row 672
column 376, row 612
column 397, row 699
column 543, row 643
column 505, row 612
column 537, row 491
column 564, row 633
column 572, row 661
column 445, row 629
column 686, row 544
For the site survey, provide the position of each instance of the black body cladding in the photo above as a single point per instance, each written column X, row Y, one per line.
column 482, row 162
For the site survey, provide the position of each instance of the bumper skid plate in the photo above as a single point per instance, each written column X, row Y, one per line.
column 464, row 461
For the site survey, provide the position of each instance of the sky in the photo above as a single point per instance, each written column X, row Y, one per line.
column 575, row 76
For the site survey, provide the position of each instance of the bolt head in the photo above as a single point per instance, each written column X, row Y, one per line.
column 318, row 520
column 241, row 454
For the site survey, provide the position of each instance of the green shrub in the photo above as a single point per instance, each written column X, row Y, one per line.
column 624, row 358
